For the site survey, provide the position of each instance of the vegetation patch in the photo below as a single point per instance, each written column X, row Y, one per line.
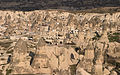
column 114, row 37
column 11, row 51
column 5, row 44
column 8, row 71
column 73, row 69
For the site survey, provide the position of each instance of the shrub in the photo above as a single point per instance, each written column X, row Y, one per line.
column 114, row 37
column 8, row 71
column 73, row 69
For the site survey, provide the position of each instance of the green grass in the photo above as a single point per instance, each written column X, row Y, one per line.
column 116, row 34
column 115, row 37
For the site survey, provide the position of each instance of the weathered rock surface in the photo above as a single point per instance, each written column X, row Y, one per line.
column 59, row 42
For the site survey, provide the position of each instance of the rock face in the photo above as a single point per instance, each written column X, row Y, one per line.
column 54, row 42
column 47, row 59
column 20, row 61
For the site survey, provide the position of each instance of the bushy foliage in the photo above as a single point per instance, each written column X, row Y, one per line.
column 115, row 37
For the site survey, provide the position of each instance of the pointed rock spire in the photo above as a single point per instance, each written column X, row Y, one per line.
column 21, row 46
column 41, row 43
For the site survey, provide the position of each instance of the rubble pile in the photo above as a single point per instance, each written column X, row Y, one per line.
column 51, row 42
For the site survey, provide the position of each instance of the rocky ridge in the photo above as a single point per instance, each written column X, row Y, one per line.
column 28, row 5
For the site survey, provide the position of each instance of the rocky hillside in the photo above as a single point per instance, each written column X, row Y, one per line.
column 27, row 5
column 54, row 42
